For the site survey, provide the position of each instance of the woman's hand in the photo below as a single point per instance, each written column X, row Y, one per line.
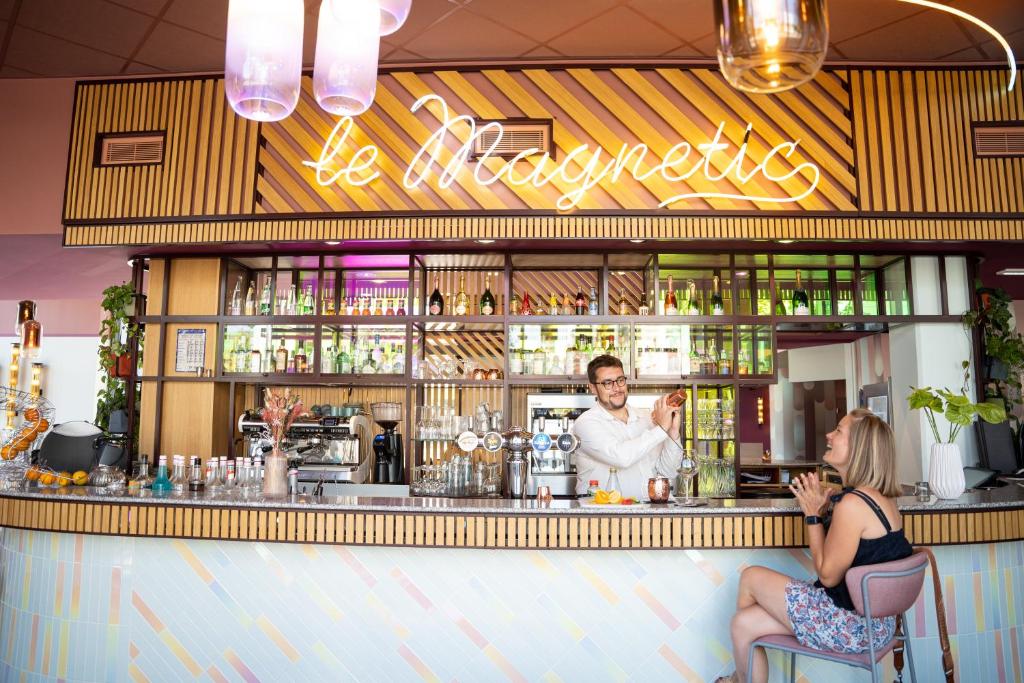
column 811, row 497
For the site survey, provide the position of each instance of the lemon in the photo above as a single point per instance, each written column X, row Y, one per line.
column 80, row 478
column 601, row 497
column 614, row 497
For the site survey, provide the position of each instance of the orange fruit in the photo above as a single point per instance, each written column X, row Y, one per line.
column 43, row 425
column 31, row 414
column 80, row 478
column 47, row 478
column 64, row 478
column 7, row 452
column 32, row 473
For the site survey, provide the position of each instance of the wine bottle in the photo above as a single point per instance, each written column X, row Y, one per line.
column 487, row 299
column 623, row 302
column 717, row 305
column 526, row 308
column 552, row 304
column 236, row 298
column 436, row 300
column 592, row 302
column 581, row 303
column 461, row 298
column 692, row 305
column 307, row 301
column 695, row 368
column 250, row 301
column 801, row 304
column 671, row 305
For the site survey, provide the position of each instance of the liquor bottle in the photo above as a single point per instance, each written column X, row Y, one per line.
column 236, row 298
column 196, row 482
column 179, row 480
column 581, row 303
column 744, row 362
column 515, row 306
column 365, row 306
column 780, row 306
column 265, row 304
column 290, row 307
column 401, row 305
column 692, row 305
column 142, row 479
column 553, row 304
column 717, row 305
column 801, row 304
column 250, row 301
column 487, row 299
column 645, row 308
column 623, row 302
column 307, row 301
column 161, row 484
column 281, row 359
column 724, row 363
column 300, row 359
column 255, row 361
column 592, row 302
column 710, row 360
column 671, row 305
column 378, row 307
column 461, row 298
column 526, row 308
column 568, row 307
column 343, row 361
column 436, row 300
column 390, row 310
column 695, row 368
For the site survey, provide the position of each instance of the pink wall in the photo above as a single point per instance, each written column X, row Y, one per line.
column 35, row 124
column 750, row 431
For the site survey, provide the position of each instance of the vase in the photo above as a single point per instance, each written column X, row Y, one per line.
column 275, row 474
column 946, row 471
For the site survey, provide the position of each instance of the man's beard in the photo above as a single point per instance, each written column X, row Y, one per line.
column 611, row 404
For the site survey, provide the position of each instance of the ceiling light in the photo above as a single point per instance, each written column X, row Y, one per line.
column 263, row 58
column 1010, row 271
column 638, row 241
column 332, row 243
column 392, row 15
column 770, row 45
column 742, row 273
column 785, row 241
column 347, row 47
column 485, row 241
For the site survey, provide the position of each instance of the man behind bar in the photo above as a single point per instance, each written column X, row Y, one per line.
column 635, row 442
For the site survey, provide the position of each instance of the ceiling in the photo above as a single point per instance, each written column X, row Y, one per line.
column 79, row 38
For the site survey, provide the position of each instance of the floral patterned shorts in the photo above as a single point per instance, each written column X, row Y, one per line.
column 820, row 623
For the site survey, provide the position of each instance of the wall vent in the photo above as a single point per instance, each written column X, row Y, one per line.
column 130, row 149
column 517, row 135
column 999, row 139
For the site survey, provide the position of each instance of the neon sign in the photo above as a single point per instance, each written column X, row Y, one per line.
column 680, row 163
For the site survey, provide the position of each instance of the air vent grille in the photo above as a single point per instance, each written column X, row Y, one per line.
column 130, row 150
column 516, row 137
column 999, row 141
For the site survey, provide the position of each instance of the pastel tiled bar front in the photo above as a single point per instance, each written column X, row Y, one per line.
column 104, row 606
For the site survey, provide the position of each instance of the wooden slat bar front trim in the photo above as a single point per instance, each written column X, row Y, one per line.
column 480, row 531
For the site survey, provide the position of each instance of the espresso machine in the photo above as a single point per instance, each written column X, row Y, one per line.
column 389, row 459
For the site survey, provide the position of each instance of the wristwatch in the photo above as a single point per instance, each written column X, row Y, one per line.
column 812, row 519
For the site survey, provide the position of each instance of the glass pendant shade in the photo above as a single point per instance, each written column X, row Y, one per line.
column 263, row 60
column 392, row 15
column 768, row 46
column 31, row 338
column 26, row 311
column 347, row 45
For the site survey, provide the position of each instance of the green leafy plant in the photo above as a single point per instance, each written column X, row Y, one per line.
column 116, row 330
column 958, row 409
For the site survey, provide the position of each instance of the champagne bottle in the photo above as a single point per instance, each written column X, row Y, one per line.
column 581, row 303
column 436, row 300
column 695, row 368
column 623, row 302
column 671, row 305
column 717, row 305
column 592, row 302
column 692, row 305
column 801, row 304
column 250, row 301
column 526, row 308
column 487, row 306
column 780, row 306
column 552, row 304
column 461, row 298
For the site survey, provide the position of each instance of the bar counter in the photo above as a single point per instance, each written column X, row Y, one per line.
column 105, row 588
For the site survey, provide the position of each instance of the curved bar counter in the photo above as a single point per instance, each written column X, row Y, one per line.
column 414, row 588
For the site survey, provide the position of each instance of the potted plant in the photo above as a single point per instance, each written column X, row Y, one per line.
column 116, row 330
column 946, row 469
column 1003, row 351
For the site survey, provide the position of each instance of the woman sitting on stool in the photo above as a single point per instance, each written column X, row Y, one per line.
column 865, row 528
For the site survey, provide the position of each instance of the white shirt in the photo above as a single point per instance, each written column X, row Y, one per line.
column 638, row 448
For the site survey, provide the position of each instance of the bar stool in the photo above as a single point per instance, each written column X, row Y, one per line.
column 877, row 590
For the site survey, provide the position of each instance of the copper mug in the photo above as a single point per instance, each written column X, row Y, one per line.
column 658, row 489
column 494, row 373
column 479, row 373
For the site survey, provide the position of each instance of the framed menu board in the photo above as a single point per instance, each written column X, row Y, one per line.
column 190, row 352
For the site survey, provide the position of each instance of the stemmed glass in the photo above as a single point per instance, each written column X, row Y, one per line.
column 685, row 473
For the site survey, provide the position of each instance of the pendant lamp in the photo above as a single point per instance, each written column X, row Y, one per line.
column 31, row 338
column 768, row 46
column 347, row 46
column 393, row 14
column 263, row 59
column 26, row 311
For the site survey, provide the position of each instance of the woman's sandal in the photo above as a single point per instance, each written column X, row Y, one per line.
column 731, row 678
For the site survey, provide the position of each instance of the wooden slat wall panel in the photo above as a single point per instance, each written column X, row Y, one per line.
column 548, row 228
column 913, row 141
column 209, row 162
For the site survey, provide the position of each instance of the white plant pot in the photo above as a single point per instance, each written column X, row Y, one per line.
column 946, row 471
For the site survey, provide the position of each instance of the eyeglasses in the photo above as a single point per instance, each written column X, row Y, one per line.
column 617, row 382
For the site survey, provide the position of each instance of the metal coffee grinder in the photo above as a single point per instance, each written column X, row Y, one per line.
column 387, row 447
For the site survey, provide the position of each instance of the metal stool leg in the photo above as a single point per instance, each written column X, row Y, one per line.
column 910, row 658
column 792, row 667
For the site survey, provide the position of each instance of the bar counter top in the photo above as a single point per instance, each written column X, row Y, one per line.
column 975, row 517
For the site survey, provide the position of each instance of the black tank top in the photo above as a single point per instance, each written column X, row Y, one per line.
column 892, row 546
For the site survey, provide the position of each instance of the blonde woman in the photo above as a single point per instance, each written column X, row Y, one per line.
column 865, row 528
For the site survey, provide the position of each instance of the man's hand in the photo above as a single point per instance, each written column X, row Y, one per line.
column 663, row 414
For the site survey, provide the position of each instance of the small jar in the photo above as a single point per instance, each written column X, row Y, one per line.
column 658, row 489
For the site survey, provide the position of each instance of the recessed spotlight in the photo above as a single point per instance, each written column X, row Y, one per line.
column 785, row 241
column 378, row 282
column 638, row 241
column 742, row 273
column 485, row 241
column 1010, row 271
column 332, row 243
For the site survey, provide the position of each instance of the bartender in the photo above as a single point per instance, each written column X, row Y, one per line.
column 636, row 442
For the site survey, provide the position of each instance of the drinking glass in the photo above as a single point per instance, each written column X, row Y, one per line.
column 687, row 469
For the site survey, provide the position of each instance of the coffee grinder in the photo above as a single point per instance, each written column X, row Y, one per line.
column 387, row 447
